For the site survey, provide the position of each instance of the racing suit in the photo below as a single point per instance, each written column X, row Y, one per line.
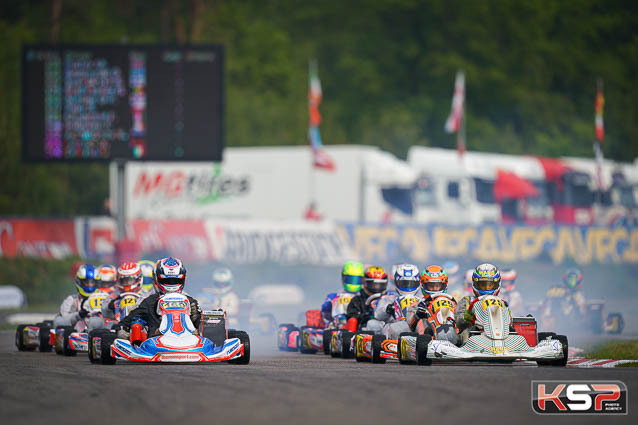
column 147, row 311
column 335, row 307
column 364, row 314
column 561, row 301
column 70, row 315
column 388, row 307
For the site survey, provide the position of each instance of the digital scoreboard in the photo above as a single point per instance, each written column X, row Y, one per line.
column 140, row 102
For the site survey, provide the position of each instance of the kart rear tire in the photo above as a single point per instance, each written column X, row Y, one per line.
column 401, row 359
column 91, row 351
column 20, row 339
column 244, row 339
column 45, row 330
column 621, row 323
column 105, row 347
column 346, row 338
column 377, row 340
column 66, row 347
column 327, row 336
column 422, row 342
column 544, row 335
column 300, row 342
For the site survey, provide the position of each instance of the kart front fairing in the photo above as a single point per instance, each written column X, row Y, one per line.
column 511, row 348
column 178, row 341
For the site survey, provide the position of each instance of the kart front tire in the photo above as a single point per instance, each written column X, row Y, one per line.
column 377, row 340
column 105, row 347
column 66, row 347
column 346, row 337
column 45, row 329
column 357, row 356
column 422, row 342
column 244, row 339
column 562, row 362
column 327, row 337
column 399, row 351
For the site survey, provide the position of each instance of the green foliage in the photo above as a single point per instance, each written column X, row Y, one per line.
column 43, row 281
column 387, row 69
column 618, row 350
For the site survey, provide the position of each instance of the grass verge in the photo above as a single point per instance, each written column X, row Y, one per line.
column 617, row 350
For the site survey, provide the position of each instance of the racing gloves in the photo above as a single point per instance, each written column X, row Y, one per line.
column 421, row 311
column 390, row 310
column 83, row 313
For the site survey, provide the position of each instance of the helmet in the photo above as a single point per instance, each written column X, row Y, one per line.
column 222, row 280
column 170, row 275
column 106, row 276
column 352, row 276
column 486, row 280
column 375, row 280
column 148, row 268
column 508, row 279
column 129, row 277
column 85, row 279
column 406, row 279
column 572, row 279
column 433, row 281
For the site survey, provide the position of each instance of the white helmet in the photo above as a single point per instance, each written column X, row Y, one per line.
column 222, row 280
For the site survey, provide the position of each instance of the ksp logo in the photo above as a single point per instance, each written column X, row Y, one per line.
column 579, row 397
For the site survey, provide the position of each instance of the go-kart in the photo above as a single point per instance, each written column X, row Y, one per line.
column 69, row 340
column 40, row 336
column 558, row 309
column 178, row 341
column 367, row 346
column 342, row 342
column 307, row 339
column 490, row 339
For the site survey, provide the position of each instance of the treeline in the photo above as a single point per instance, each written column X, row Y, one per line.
column 387, row 69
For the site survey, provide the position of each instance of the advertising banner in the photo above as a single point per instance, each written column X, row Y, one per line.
column 52, row 239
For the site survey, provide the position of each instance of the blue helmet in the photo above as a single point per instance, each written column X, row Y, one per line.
column 486, row 280
column 86, row 279
column 406, row 279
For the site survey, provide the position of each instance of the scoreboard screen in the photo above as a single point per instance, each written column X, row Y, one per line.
column 140, row 102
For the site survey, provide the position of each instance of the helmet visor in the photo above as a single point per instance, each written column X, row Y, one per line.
column 106, row 283
column 88, row 283
column 127, row 281
column 171, row 284
column 351, row 283
column 376, row 286
column 572, row 281
column 434, row 285
column 407, row 284
column 486, row 285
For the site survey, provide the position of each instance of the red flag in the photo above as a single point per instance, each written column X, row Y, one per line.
column 598, row 106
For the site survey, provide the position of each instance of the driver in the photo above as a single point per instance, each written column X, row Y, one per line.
column 170, row 277
column 221, row 295
column 71, row 311
column 486, row 280
column 375, row 281
column 569, row 294
column 433, row 281
column 129, row 279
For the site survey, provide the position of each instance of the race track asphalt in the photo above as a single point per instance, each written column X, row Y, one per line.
column 278, row 388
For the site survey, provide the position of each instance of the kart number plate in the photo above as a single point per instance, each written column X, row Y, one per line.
column 439, row 304
column 128, row 301
column 408, row 302
column 95, row 302
column 344, row 299
column 492, row 302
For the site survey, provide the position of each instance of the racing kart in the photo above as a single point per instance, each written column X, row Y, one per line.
column 489, row 340
column 556, row 310
column 178, row 340
column 307, row 339
column 439, row 323
column 68, row 340
column 40, row 336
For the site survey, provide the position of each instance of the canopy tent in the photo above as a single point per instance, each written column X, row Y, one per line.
column 509, row 185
